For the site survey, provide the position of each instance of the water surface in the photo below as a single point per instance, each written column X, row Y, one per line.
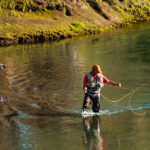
column 43, row 83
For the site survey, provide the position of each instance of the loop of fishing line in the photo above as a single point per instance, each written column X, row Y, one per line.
column 140, row 114
column 131, row 93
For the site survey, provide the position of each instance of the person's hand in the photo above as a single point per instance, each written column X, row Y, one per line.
column 85, row 89
column 119, row 84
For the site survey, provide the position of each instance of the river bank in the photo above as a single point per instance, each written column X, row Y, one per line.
column 41, row 20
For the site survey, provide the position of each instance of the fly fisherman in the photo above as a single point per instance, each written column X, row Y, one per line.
column 92, row 84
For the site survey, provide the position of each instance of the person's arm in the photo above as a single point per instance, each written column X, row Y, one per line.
column 113, row 83
column 106, row 81
column 84, row 84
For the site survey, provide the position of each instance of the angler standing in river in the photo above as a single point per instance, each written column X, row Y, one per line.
column 92, row 84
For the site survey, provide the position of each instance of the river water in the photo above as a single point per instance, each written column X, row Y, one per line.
column 43, row 86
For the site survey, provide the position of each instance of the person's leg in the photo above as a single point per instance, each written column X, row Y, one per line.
column 96, row 103
column 86, row 102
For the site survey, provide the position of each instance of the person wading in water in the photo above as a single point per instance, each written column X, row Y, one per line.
column 92, row 84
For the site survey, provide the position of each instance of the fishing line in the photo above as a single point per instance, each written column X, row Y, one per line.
column 117, row 100
column 131, row 93
column 120, row 87
column 130, row 98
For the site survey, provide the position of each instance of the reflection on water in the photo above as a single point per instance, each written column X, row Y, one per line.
column 92, row 138
column 25, row 136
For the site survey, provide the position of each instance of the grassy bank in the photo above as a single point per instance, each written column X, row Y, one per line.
column 31, row 21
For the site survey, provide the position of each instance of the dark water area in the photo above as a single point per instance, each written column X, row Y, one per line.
column 43, row 84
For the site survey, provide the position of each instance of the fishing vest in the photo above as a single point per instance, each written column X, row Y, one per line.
column 94, row 85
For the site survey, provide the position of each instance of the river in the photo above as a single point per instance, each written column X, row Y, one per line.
column 43, row 86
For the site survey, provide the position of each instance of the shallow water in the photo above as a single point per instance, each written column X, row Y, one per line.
column 43, row 84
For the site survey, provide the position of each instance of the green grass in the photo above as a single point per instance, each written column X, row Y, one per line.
column 78, row 25
column 53, row 25
column 14, row 13
column 12, row 4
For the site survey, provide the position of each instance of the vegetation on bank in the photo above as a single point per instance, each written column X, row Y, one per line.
column 28, row 21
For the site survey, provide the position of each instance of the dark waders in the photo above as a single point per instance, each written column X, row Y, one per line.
column 94, row 98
